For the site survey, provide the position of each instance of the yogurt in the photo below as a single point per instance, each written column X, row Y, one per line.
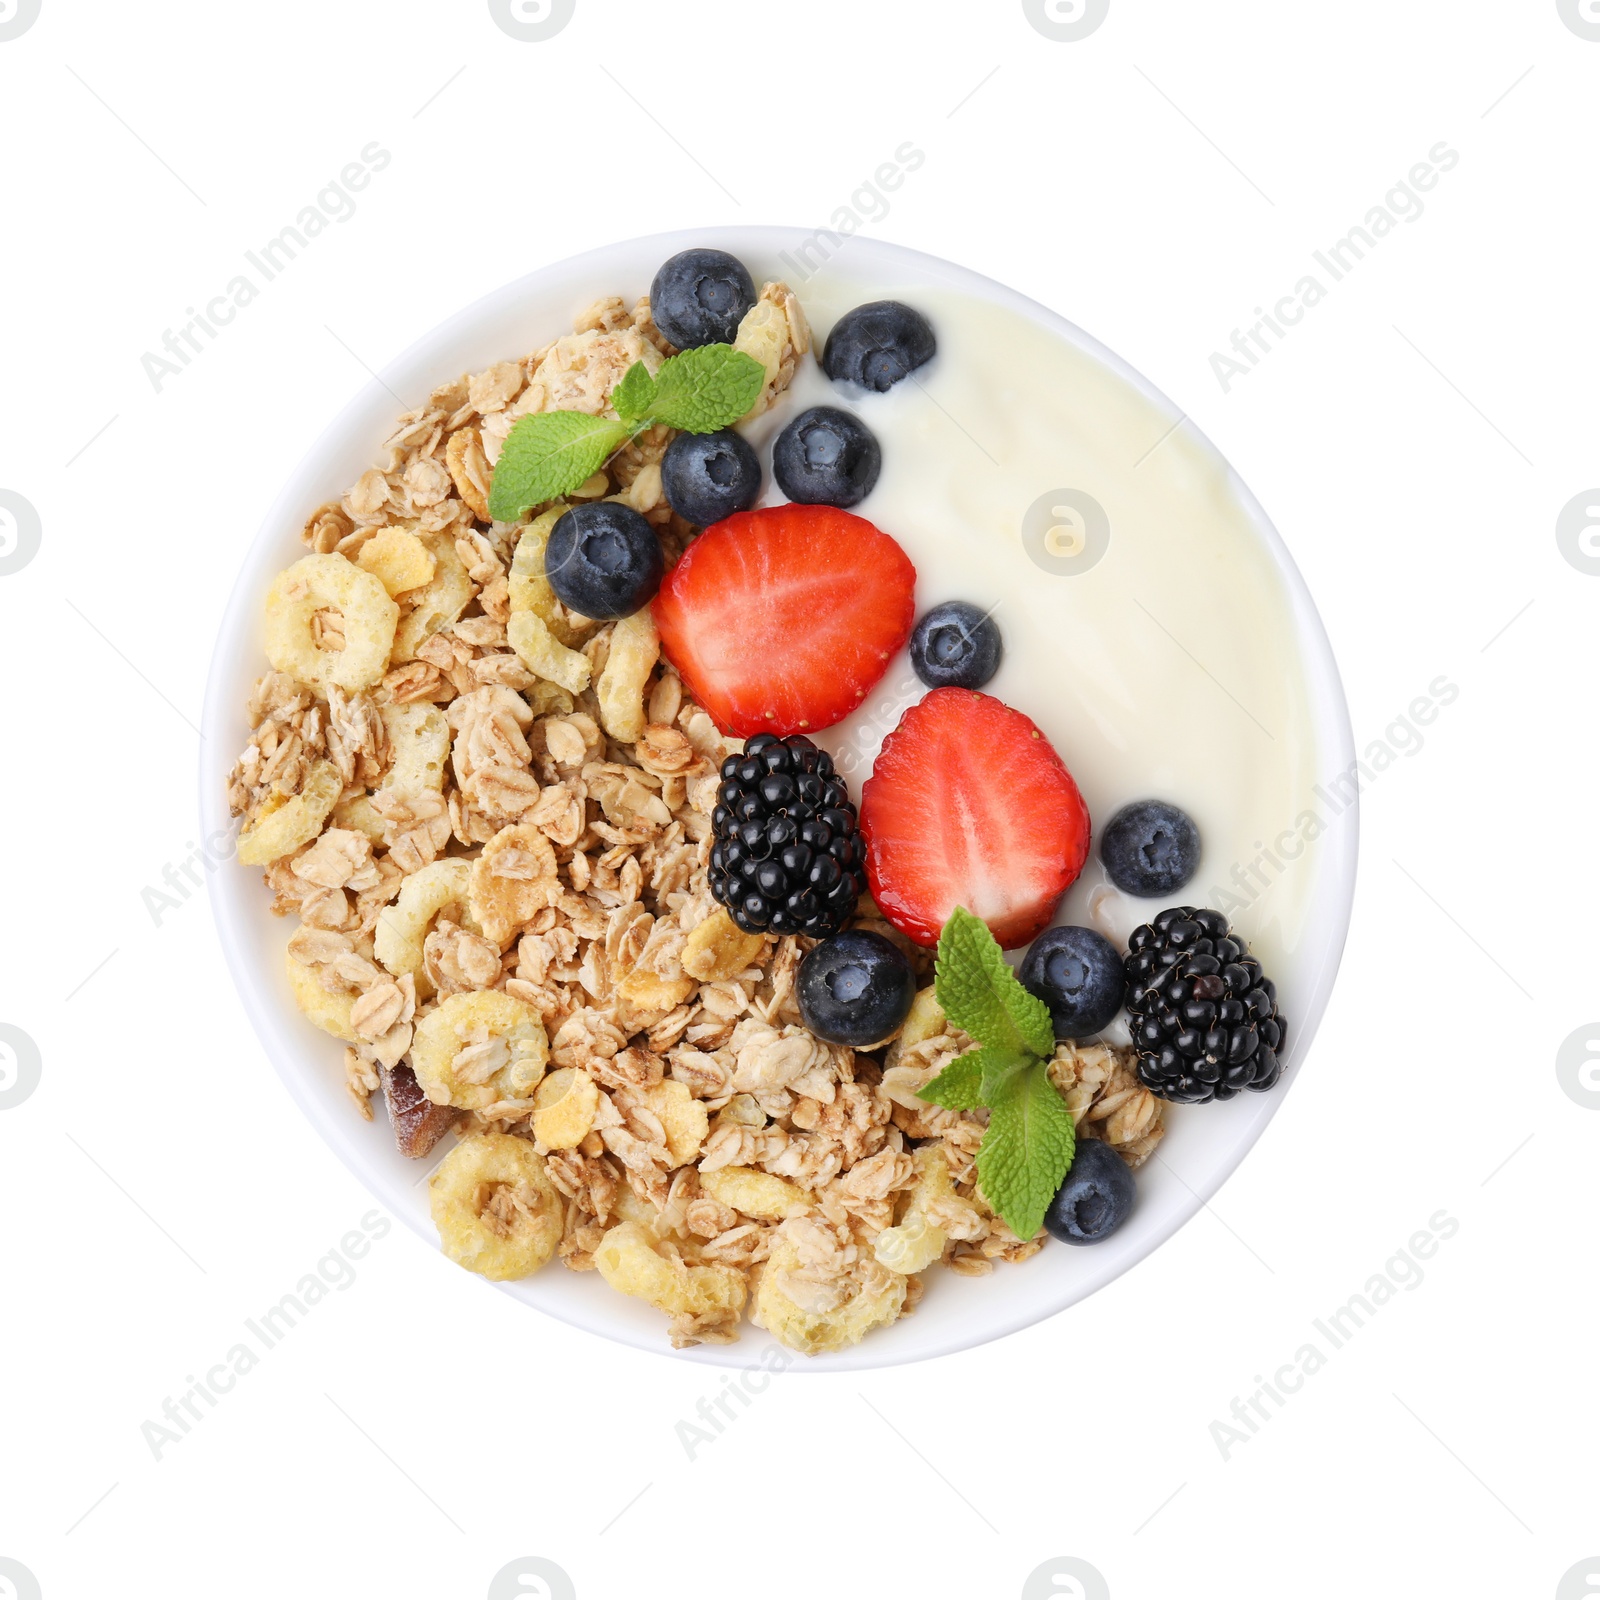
column 1147, row 630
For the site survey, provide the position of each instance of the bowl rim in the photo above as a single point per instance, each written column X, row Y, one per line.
column 876, row 260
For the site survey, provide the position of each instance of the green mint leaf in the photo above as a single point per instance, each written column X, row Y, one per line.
column 981, row 995
column 548, row 454
column 1028, row 1148
column 707, row 388
column 966, row 1082
column 634, row 395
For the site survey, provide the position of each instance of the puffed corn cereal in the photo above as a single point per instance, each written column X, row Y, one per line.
column 477, row 1049
column 497, row 1212
column 281, row 828
column 316, row 585
column 629, row 1261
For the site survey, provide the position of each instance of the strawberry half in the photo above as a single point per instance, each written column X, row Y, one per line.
column 781, row 620
column 969, row 806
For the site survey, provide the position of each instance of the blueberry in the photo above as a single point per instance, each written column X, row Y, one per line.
column 956, row 646
column 603, row 560
column 709, row 476
column 876, row 345
column 1095, row 1197
column 700, row 297
column 1150, row 848
column 1079, row 975
column 855, row 988
column 826, row 458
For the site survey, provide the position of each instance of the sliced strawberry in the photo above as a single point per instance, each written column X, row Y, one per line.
column 781, row 620
column 969, row 806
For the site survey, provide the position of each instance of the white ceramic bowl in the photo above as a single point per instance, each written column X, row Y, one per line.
column 955, row 1313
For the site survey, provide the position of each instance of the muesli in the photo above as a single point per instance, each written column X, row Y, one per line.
column 533, row 769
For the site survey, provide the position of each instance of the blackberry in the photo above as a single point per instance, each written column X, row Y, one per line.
column 788, row 857
column 1204, row 1017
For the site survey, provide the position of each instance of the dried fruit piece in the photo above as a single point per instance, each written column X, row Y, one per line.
column 417, row 1122
column 284, row 824
column 497, row 1212
column 315, row 585
column 476, row 1049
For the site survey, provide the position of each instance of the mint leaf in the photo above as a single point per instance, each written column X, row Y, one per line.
column 980, row 994
column 633, row 396
column 707, row 388
column 1028, row 1148
column 965, row 1082
column 549, row 454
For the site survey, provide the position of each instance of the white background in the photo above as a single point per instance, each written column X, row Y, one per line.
column 1414, row 439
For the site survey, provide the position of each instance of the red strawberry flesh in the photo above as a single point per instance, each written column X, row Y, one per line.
column 781, row 620
column 968, row 805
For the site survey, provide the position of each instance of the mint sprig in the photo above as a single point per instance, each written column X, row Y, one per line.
column 551, row 453
column 1031, row 1139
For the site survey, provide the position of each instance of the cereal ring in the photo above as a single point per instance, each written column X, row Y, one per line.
column 629, row 1261
column 330, row 583
column 873, row 1299
column 475, row 1049
column 635, row 648
column 319, row 1005
column 420, row 737
column 497, row 1212
column 397, row 939
column 285, row 823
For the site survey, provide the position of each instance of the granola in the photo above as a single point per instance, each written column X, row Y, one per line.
column 492, row 820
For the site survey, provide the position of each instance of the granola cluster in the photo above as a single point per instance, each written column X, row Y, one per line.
column 491, row 818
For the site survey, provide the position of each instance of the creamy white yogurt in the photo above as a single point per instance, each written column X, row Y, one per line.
column 1169, row 669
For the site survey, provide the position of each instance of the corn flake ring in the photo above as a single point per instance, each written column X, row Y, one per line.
column 635, row 648
column 536, row 630
column 870, row 1305
column 629, row 1261
column 402, row 927
column 284, row 823
column 503, row 1041
column 439, row 602
column 330, row 583
column 420, row 737
column 318, row 1005
column 497, row 1212
column 512, row 881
